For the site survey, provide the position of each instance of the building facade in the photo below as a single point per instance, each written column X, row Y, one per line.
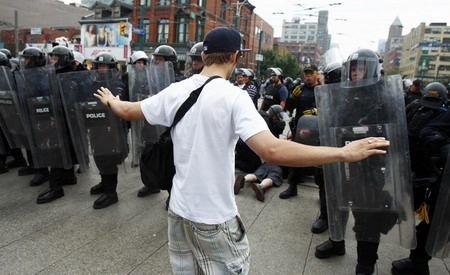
column 426, row 53
column 393, row 47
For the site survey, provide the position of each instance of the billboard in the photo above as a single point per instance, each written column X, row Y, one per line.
column 106, row 37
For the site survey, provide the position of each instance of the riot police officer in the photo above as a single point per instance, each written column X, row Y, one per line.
column 165, row 53
column 276, row 92
column 62, row 59
column 7, row 53
column 194, row 62
column 428, row 124
column 107, row 164
column 301, row 99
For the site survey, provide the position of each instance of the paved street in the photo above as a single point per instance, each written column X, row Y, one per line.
column 68, row 236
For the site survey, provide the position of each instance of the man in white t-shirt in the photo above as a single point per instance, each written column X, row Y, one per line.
column 206, row 234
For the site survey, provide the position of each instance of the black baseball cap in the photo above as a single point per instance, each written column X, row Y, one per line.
column 222, row 40
column 310, row 67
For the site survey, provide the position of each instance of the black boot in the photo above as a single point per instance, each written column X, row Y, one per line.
column 69, row 177
column 39, row 178
column 49, row 195
column 320, row 225
column 364, row 269
column 28, row 170
column 410, row 267
column 3, row 168
column 330, row 248
column 145, row 191
column 98, row 188
column 17, row 162
column 290, row 192
column 108, row 198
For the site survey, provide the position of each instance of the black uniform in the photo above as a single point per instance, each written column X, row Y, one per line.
column 304, row 101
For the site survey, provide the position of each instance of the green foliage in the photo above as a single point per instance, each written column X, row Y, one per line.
column 287, row 63
column 392, row 72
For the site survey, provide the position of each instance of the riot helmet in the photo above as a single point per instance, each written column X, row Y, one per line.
column 7, row 53
column 194, row 62
column 139, row 56
column 80, row 61
column 167, row 52
column 288, row 80
column 435, row 95
column 4, row 60
column 61, row 41
column 297, row 82
column 104, row 58
column 448, row 87
column 366, row 64
column 32, row 57
column 278, row 111
column 332, row 72
column 61, row 57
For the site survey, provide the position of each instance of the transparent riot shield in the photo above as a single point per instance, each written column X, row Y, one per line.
column 94, row 128
column 44, row 117
column 11, row 120
column 438, row 242
column 146, row 81
column 308, row 130
column 377, row 190
column 2, row 144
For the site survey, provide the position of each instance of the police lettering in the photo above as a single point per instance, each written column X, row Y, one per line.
column 6, row 102
column 42, row 110
column 97, row 115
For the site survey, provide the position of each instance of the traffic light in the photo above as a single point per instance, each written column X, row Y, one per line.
column 123, row 29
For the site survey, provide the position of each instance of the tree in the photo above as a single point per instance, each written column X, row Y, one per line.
column 287, row 63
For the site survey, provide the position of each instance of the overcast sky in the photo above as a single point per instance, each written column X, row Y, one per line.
column 366, row 21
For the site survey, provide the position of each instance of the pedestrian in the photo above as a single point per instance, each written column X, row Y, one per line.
column 206, row 233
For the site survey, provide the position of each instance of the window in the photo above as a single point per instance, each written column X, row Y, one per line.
column 311, row 38
column 223, row 8
column 312, row 32
column 312, row 26
column 163, row 30
column 199, row 30
column 116, row 11
column 182, row 30
column 98, row 13
column 293, row 36
column 286, row 36
column 183, row 2
column 163, row 2
column 201, row 3
column 303, row 27
column 147, row 29
column 302, row 37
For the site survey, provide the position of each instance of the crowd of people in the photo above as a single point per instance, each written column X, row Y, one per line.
column 268, row 131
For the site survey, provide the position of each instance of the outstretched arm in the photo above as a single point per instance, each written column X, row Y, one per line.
column 124, row 109
column 288, row 153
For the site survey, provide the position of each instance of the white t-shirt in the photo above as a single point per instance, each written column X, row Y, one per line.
column 204, row 142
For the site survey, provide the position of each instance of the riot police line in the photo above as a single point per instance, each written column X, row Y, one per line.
column 51, row 112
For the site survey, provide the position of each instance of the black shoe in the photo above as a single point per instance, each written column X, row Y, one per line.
column 145, row 191
column 330, row 248
column 49, row 195
column 409, row 267
column 3, row 168
column 106, row 200
column 290, row 192
column 97, row 189
column 16, row 163
column 364, row 269
column 259, row 192
column 28, row 170
column 239, row 183
column 319, row 226
column 39, row 179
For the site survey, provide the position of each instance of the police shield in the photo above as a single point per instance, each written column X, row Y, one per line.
column 94, row 128
column 44, row 117
column 308, row 130
column 146, row 81
column 377, row 190
column 438, row 242
column 11, row 120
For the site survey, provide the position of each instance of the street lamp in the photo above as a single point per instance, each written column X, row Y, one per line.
column 239, row 5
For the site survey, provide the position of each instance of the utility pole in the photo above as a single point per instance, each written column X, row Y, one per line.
column 141, row 26
column 16, row 32
column 259, row 52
